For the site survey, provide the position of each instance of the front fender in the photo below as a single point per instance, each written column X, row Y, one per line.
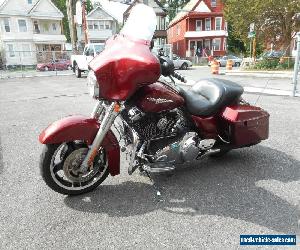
column 79, row 127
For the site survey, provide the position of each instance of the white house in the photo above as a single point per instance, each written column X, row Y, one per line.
column 100, row 26
column 114, row 8
column 27, row 27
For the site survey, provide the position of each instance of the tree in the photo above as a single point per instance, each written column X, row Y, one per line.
column 273, row 19
column 173, row 7
column 62, row 6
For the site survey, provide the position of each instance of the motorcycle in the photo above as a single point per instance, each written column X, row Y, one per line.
column 161, row 124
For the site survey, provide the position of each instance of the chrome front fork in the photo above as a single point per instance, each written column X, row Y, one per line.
column 111, row 113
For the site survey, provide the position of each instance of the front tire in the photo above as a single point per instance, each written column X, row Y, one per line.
column 62, row 178
column 184, row 66
column 77, row 71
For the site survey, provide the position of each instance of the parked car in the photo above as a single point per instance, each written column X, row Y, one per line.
column 59, row 64
column 181, row 63
column 223, row 60
column 80, row 62
column 271, row 55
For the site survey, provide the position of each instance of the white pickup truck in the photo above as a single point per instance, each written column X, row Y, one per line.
column 80, row 62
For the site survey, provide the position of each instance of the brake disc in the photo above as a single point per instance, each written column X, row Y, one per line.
column 72, row 165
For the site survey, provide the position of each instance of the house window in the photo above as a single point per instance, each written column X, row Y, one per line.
column 22, row 25
column 107, row 25
column 90, row 25
column 198, row 25
column 26, row 50
column 11, row 51
column 54, row 27
column 207, row 44
column 218, row 23
column 178, row 30
column 6, row 24
column 217, row 43
column 96, row 26
column 207, row 24
column 161, row 23
column 213, row 3
column 36, row 27
column 101, row 25
column 29, row 1
column 46, row 27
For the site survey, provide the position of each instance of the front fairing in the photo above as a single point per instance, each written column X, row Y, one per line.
column 127, row 62
column 125, row 65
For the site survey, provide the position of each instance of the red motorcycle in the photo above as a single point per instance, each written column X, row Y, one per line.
column 161, row 124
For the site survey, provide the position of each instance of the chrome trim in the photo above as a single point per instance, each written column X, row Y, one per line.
column 98, row 109
column 107, row 122
column 134, row 144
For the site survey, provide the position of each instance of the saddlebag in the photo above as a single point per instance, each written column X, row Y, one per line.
column 247, row 125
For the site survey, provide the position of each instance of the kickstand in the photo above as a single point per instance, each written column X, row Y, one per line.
column 157, row 190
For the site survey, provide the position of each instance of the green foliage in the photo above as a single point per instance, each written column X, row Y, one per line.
column 273, row 19
column 267, row 63
column 61, row 5
column 173, row 7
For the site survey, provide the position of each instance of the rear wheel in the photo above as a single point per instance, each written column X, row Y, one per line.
column 60, row 163
column 46, row 68
column 77, row 71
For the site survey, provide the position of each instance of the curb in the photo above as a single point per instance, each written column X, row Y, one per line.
column 31, row 76
column 277, row 92
column 261, row 74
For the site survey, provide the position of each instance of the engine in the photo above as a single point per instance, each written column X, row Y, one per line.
column 169, row 136
column 153, row 126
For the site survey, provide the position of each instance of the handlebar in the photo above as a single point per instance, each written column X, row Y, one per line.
column 179, row 77
column 168, row 69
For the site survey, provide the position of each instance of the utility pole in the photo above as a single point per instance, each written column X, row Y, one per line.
column 69, row 5
column 84, row 24
column 297, row 64
column 254, row 49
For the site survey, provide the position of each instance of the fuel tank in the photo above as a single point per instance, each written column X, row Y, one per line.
column 157, row 97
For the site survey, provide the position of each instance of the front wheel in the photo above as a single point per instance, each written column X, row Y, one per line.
column 60, row 163
column 184, row 66
column 77, row 71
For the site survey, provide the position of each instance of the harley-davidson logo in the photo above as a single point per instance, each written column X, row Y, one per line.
column 158, row 100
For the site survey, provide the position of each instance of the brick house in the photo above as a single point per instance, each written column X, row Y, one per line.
column 200, row 26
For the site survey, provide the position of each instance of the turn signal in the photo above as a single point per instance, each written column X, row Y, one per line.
column 117, row 108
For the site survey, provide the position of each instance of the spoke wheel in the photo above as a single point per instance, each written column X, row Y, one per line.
column 60, row 166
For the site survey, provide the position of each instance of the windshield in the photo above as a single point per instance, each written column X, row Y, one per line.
column 141, row 23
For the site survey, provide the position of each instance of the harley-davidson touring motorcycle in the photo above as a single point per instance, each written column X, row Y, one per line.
column 160, row 124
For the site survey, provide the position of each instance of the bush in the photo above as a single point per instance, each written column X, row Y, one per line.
column 286, row 63
column 267, row 63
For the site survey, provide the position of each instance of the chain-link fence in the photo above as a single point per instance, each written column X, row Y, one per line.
column 34, row 63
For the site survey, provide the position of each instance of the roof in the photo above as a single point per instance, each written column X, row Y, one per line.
column 113, row 8
column 155, row 4
column 93, row 12
column 27, row 10
column 193, row 6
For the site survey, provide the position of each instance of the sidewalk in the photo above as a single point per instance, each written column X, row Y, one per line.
column 260, row 73
column 32, row 73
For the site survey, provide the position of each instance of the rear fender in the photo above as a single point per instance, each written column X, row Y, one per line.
column 78, row 127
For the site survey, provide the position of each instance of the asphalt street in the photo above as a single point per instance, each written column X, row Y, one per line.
column 205, row 205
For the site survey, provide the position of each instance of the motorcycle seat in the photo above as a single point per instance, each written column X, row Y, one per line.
column 208, row 96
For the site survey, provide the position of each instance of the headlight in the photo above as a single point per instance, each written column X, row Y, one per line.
column 93, row 85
